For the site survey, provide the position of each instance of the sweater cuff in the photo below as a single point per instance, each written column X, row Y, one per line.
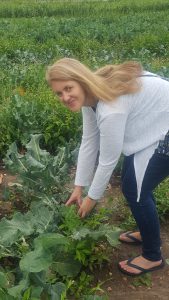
column 93, row 198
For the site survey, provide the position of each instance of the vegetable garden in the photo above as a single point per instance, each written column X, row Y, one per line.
column 46, row 251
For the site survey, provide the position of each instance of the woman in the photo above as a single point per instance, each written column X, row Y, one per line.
column 125, row 110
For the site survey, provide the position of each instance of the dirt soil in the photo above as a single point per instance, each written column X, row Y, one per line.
column 117, row 285
column 121, row 286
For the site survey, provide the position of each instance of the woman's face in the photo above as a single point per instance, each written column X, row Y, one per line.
column 70, row 93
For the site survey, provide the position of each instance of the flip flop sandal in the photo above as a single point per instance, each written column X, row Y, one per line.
column 143, row 271
column 134, row 240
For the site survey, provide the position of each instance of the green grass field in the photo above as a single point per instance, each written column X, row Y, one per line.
column 33, row 34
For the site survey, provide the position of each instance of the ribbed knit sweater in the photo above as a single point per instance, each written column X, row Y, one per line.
column 131, row 124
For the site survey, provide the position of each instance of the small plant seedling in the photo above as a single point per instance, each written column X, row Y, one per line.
column 143, row 280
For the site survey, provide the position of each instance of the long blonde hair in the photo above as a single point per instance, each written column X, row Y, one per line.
column 107, row 83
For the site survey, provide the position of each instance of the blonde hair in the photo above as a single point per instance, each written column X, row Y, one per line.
column 107, row 83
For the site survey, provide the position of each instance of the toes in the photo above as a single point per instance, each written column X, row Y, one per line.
column 124, row 266
column 123, row 236
column 131, row 270
column 123, row 263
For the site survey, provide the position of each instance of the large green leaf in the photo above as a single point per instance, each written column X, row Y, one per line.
column 56, row 290
column 40, row 218
column 11, row 230
column 34, row 163
column 38, row 171
column 46, row 246
column 66, row 266
column 51, row 240
column 25, row 224
column 113, row 237
column 36, row 292
column 104, row 231
column 3, row 280
column 34, row 149
column 15, row 161
column 17, row 290
column 36, row 261
column 80, row 234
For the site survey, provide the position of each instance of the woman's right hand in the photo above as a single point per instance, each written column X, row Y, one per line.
column 76, row 197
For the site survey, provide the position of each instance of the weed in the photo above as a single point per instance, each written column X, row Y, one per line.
column 143, row 280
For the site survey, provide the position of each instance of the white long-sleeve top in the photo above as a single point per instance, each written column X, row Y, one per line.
column 132, row 124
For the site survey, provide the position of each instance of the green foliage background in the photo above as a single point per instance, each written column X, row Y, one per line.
column 33, row 34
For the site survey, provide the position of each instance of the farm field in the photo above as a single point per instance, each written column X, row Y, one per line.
column 46, row 251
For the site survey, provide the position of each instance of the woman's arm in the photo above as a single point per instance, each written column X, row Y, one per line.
column 88, row 150
column 112, row 129
column 86, row 159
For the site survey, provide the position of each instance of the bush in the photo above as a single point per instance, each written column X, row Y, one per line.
column 23, row 117
column 5, row 139
column 162, row 197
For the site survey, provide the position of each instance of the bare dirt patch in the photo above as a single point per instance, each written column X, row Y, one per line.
column 120, row 286
column 6, row 207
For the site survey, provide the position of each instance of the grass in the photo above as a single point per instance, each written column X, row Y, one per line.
column 70, row 8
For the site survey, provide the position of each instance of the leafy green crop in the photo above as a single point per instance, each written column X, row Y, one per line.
column 40, row 174
column 51, row 243
column 23, row 117
column 109, row 32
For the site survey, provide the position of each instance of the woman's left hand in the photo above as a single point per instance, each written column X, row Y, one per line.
column 86, row 206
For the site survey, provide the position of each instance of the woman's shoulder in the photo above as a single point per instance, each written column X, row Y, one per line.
column 119, row 105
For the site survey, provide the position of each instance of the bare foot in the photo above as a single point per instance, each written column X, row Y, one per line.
column 139, row 261
column 127, row 239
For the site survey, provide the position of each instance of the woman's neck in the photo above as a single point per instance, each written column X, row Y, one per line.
column 91, row 102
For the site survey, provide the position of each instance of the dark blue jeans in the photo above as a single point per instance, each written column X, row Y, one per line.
column 144, row 211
